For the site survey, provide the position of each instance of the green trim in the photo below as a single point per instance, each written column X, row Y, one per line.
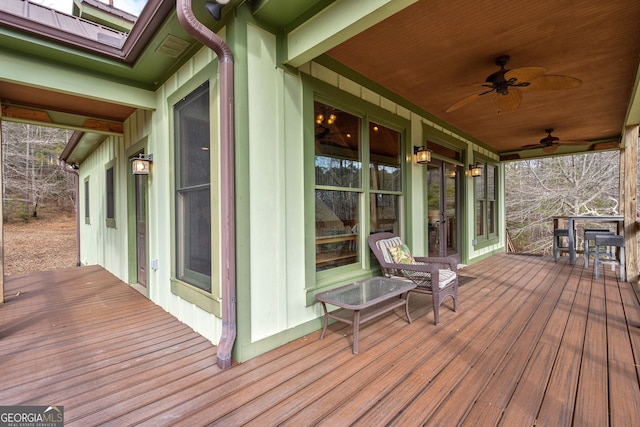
column 493, row 238
column 486, row 243
column 138, row 147
column 262, row 346
column 486, row 255
column 316, row 90
column 349, row 73
column 208, row 301
column 196, row 296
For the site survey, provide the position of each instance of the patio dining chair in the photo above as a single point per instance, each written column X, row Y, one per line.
column 432, row 275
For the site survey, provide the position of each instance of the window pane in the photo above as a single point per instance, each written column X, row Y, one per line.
column 385, row 166
column 491, row 199
column 479, row 182
column 193, row 196
column 385, row 213
column 192, row 130
column 491, row 217
column 491, row 182
column 86, row 199
column 480, row 218
column 194, row 234
column 337, row 147
column 337, row 228
column 110, row 194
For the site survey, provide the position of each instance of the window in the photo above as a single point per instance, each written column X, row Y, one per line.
column 486, row 210
column 385, row 178
column 193, row 189
column 87, row 218
column 111, row 198
column 342, row 185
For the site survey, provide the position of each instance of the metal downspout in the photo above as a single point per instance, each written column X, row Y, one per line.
column 76, row 203
column 227, row 170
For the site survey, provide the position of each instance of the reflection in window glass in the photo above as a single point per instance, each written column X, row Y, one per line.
column 337, row 147
column 338, row 165
column 385, row 213
column 385, row 160
column 337, row 237
column 342, row 186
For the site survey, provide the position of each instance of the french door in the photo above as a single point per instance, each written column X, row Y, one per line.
column 443, row 207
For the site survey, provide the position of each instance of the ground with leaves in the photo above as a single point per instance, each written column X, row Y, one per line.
column 40, row 244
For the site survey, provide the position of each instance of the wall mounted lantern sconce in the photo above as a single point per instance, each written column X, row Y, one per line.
column 423, row 156
column 215, row 8
column 475, row 170
column 451, row 173
column 141, row 165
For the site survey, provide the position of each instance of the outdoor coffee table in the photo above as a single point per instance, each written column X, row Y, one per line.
column 367, row 299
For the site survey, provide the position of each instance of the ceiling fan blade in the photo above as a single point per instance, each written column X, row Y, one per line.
column 463, row 85
column 550, row 149
column 510, row 101
column 525, row 74
column 553, row 82
column 466, row 100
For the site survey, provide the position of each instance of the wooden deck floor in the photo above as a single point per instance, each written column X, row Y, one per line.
column 535, row 343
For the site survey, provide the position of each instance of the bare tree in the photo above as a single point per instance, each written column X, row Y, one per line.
column 31, row 175
column 538, row 190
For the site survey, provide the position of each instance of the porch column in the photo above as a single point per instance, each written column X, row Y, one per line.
column 628, row 199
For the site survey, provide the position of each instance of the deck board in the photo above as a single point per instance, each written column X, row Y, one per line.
column 535, row 343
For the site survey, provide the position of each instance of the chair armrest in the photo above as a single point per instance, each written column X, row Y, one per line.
column 420, row 268
column 447, row 262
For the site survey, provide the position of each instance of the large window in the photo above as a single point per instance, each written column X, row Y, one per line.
column 193, row 189
column 342, row 185
column 486, row 209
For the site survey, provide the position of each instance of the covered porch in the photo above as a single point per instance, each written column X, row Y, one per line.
column 535, row 343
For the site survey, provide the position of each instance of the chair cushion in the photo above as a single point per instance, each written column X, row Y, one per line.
column 384, row 245
column 446, row 277
column 401, row 254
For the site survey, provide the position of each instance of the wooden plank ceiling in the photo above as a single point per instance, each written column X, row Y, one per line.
column 431, row 52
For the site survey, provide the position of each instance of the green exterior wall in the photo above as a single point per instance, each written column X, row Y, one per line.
column 274, row 174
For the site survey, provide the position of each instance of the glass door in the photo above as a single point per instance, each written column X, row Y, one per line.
column 443, row 197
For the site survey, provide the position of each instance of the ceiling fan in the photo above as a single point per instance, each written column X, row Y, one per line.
column 550, row 143
column 508, row 84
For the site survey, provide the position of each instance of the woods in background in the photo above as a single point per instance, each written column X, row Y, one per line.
column 537, row 190
column 32, row 180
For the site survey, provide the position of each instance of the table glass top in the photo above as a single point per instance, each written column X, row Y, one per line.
column 365, row 292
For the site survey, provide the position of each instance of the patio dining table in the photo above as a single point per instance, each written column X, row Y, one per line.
column 571, row 221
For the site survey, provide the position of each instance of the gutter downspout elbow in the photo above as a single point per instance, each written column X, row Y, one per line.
column 227, row 171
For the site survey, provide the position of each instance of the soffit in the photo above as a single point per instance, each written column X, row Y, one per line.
column 431, row 51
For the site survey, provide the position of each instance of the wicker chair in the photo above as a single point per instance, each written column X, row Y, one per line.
column 423, row 271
